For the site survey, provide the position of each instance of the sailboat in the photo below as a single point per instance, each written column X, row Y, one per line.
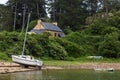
column 27, row 60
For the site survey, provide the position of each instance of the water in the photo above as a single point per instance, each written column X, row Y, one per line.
column 62, row 75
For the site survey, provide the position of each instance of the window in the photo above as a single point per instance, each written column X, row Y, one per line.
column 56, row 35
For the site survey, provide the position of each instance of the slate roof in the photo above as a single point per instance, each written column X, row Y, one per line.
column 50, row 26
column 38, row 31
column 62, row 35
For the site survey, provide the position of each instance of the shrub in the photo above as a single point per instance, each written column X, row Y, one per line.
column 3, row 56
column 33, row 47
column 71, row 48
column 98, row 26
column 32, row 24
column 56, row 51
column 109, row 30
column 67, row 31
column 85, row 41
column 8, row 40
column 115, row 20
column 110, row 47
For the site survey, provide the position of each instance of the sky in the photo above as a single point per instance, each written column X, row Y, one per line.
column 3, row 1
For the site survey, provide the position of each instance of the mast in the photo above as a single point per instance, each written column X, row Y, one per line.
column 26, row 34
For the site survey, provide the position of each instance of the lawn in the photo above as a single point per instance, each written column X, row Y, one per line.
column 79, row 61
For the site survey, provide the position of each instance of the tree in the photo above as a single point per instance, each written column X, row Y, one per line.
column 91, row 6
column 21, row 8
column 68, row 13
column 115, row 20
column 109, row 5
column 110, row 47
column 5, row 18
column 98, row 27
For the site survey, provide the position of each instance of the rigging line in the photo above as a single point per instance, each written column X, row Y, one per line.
column 26, row 34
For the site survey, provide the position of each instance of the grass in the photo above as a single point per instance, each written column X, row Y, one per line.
column 4, row 57
column 79, row 61
column 76, row 61
column 61, row 63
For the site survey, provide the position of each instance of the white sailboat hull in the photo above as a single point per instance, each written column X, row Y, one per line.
column 26, row 60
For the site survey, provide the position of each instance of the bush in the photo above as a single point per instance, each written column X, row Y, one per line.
column 110, row 47
column 56, row 51
column 8, row 40
column 71, row 48
column 98, row 26
column 67, row 31
column 109, row 30
column 3, row 56
column 85, row 41
column 32, row 24
column 115, row 20
column 33, row 47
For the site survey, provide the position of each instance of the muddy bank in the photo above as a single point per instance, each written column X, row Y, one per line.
column 92, row 66
column 8, row 67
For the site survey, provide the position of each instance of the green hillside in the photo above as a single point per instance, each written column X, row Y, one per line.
column 101, row 38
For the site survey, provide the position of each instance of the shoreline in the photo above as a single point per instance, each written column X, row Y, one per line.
column 87, row 66
column 9, row 67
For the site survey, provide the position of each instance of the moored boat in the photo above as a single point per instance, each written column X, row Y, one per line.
column 27, row 60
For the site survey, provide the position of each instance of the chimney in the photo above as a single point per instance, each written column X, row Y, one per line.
column 38, row 26
column 39, row 21
column 55, row 23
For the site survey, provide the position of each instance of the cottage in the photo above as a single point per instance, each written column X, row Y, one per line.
column 47, row 27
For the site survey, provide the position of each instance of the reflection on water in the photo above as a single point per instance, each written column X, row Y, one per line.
column 31, row 75
column 62, row 75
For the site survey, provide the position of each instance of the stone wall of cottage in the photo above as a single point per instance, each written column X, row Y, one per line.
column 39, row 26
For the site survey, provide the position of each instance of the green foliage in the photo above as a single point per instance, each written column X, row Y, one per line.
column 21, row 8
column 7, row 41
column 5, row 18
column 68, row 13
column 32, row 24
column 71, row 48
column 3, row 56
column 32, row 47
column 110, row 47
column 100, row 38
column 115, row 20
column 109, row 30
column 56, row 51
column 87, row 42
column 98, row 27
column 67, row 31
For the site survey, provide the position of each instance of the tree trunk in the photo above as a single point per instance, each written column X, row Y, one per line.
column 106, row 9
